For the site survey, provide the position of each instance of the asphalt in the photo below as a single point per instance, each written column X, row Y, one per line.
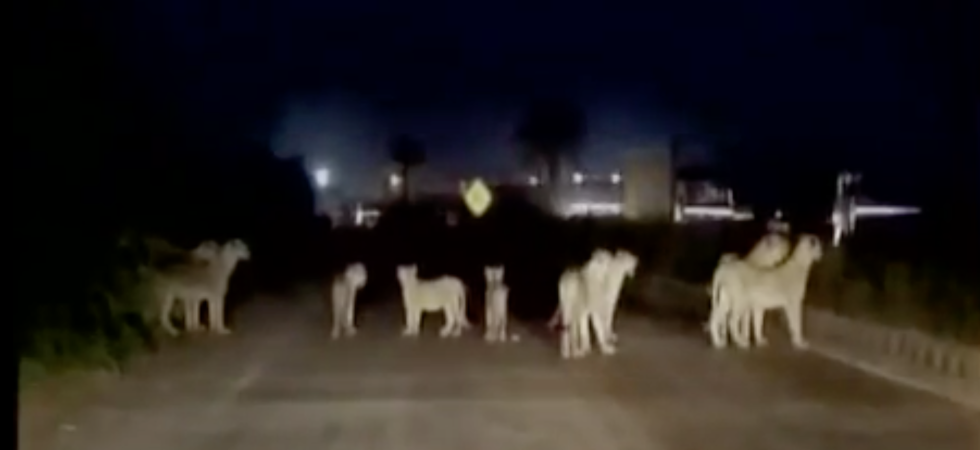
column 279, row 382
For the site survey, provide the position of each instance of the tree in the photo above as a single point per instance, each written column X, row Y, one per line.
column 409, row 153
column 552, row 130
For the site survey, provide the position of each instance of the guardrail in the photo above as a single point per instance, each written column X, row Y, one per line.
column 906, row 356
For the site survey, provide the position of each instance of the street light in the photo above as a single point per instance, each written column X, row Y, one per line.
column 616, row 178
column 321, row 177
column 578, row 178
column 533, row 180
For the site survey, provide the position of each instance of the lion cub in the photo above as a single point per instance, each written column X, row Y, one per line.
column 343, row 293
column 496, row 306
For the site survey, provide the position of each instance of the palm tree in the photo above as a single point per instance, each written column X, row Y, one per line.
column 409, row 153
column 551, row 131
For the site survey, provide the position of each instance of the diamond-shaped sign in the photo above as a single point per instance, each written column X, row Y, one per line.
column 477, row 197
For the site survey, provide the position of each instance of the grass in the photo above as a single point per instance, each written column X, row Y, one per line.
column 898, row 293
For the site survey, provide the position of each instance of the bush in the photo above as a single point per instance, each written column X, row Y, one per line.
column 92, row 318
column 898, row 293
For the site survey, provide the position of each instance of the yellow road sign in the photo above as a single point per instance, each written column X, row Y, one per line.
column 477, row 196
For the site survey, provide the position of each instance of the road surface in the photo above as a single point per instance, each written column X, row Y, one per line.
column 279, row 382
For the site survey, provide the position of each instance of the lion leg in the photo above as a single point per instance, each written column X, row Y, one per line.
column 195, row 314
column 583, row 341
column 349, row 316
column 599, row 324
column 758, row 324
column 217, row 312
column 502, row 325
column 463, row 321
column 794, row 318
column 611, row 335
column 165, row 322
column 450, row 325
column 191, row 315
column 716, row 325
column 490, row 334
column 413, row 319
column 336, row 326
column 566, row 342
column 738, row 326
column 569, row 333
column 573, row 333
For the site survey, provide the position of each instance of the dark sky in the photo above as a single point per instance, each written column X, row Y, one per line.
column 800, row 82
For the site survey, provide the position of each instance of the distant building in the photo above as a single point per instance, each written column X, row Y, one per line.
column 699, row 194
column 648, row 184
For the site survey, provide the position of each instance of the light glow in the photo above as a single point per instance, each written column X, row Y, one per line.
column 578, row 178
column 394, row 180
column 533, row 180
column 321, row 177
column 594, row 208
column 719, row 212
column 616, row 178
column 362, row 216
column 884, row 210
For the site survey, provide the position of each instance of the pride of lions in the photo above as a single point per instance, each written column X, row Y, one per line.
column 773, row 275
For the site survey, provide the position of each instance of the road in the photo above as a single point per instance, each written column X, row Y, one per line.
column 280, row 382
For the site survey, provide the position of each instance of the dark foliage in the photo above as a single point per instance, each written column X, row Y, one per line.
column 550, row 131
column 408, row 152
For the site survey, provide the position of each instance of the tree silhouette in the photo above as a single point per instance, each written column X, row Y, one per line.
column 408, row 152
column 551, row 130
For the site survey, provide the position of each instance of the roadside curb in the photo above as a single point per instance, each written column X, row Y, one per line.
column 905, row 356
column 908, row 357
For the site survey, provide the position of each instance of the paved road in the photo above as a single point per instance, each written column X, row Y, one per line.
column 280, row 383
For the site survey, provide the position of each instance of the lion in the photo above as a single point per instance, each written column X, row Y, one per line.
column 579, row 291
column 496, row 306
column 743, row 292
column 446, row 294
column 770, row 250
column 343, row 295
column 621, row 267
column 201, row 280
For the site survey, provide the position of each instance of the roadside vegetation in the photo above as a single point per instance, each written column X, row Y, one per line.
column 875, row 275
column 89, row 318
column 929, row 291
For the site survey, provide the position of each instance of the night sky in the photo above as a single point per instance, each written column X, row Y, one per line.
column 798, row 85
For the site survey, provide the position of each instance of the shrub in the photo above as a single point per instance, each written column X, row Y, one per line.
column 898, row 293
column 92, row 318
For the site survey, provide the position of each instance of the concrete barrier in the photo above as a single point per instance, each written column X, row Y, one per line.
column 906, row 356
